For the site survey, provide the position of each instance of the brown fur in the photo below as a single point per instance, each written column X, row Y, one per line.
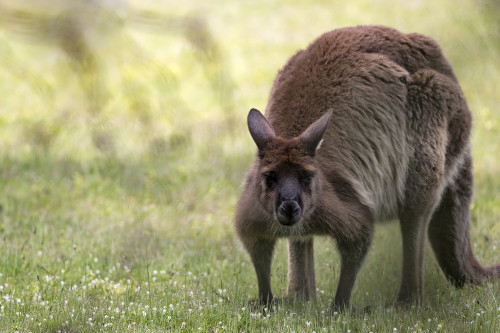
column 395, row 143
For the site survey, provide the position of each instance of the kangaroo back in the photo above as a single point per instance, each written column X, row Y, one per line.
column 363, row 75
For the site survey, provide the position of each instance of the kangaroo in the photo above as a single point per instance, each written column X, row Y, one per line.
column 366, row 124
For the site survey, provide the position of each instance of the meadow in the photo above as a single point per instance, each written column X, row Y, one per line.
column 123, row 148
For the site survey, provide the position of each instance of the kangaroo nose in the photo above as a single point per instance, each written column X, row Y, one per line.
column 288, row 212
column 289, row 209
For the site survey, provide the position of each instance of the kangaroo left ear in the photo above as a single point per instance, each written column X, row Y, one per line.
column 313, row 135
column 262, row 132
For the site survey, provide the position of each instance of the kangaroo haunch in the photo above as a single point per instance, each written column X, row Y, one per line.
column 365, row 124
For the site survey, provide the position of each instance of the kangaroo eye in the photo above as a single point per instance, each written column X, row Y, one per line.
column 270, row 179
column 307, row 179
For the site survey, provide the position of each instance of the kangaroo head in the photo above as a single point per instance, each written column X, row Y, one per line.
column 288, row 186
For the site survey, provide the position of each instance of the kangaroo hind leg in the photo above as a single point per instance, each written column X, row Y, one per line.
column 301, row 280
column 426, row 174
column 413, row 225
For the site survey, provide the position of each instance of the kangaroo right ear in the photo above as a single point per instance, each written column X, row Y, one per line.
column 313, row 135
column 262, row 132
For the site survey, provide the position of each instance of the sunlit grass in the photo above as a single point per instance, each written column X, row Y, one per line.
column 119, row 178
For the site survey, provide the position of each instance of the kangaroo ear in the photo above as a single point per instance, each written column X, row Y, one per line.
column 313, row 135
column 260, row 129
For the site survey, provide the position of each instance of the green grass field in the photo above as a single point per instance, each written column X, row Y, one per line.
column 123, row 147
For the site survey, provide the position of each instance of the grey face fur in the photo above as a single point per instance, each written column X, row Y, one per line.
column 395, row 144
column 286, row 183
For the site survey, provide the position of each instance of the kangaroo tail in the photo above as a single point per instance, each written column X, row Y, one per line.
column 449, row 233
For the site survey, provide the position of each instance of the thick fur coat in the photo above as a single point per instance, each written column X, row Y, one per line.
column 365, row 124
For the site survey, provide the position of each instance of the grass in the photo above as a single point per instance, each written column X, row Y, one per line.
column 121, row 164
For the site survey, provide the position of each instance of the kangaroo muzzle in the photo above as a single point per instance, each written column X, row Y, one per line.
column 289, row 212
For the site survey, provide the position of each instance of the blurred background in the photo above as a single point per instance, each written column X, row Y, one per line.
column 129, row 117
column 126, row 78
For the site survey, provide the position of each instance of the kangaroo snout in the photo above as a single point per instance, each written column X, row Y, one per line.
column 288, row 212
